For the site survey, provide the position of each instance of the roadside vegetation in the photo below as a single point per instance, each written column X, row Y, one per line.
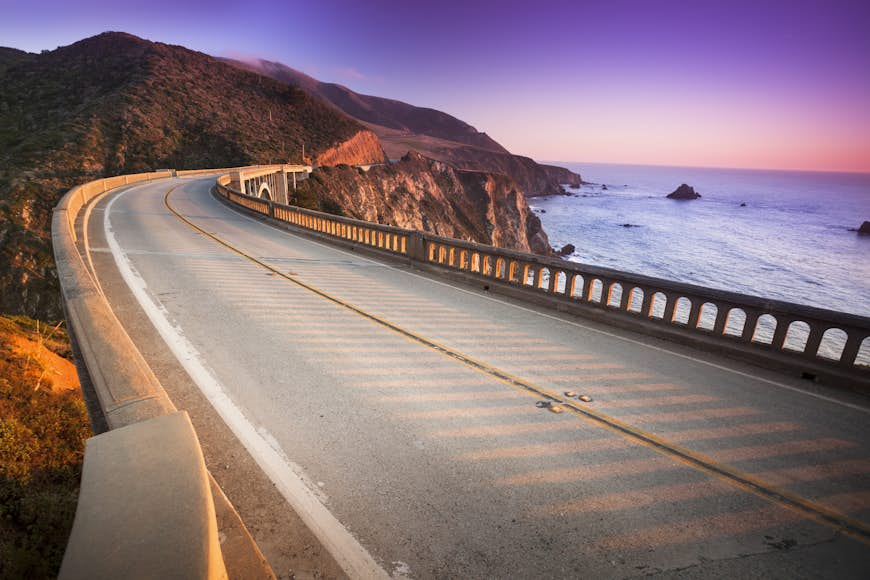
column 43, row 427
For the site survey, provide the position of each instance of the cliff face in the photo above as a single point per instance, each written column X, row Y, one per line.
column 429, row 195
column 116, row 104
column 533, row 178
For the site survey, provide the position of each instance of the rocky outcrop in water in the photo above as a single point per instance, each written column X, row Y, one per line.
column 864, row 230
column 684, row 192
column 431, row 196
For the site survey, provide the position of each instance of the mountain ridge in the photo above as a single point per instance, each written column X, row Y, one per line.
column 402, row 127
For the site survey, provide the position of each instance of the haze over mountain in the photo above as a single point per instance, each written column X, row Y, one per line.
column 115, row 103
column 402, row 127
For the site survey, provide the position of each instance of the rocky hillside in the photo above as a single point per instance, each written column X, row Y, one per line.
column 402, row 127
column 431, row 196
column 115, row 104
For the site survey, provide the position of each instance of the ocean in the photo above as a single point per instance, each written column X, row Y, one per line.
column 790, row 241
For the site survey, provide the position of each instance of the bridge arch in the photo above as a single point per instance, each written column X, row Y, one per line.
column 263, row 192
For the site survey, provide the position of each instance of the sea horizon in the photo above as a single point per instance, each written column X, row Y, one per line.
column 569, row 164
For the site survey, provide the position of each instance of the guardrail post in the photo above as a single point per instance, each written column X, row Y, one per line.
column 780, row 332
column 417, row 246
column 749, row 325
column 850, row 350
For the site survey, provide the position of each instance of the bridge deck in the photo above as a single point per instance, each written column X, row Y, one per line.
column 410, row 407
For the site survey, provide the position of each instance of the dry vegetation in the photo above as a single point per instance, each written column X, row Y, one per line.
column 43, row 426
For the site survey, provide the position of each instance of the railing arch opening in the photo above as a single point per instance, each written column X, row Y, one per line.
column 513, row 271
column 528, row 275
column 543, row 279
column 463, row 260
column 657, row 305
column 735, row 322
column 500, row 268
column 863, row 357
column 577, row 286
column 764, row 329
column 682, row 309
column 831, row 347
column 451, row 260
column 487, row 265
column 561, row 282
column 707, row 317
column 614, row 295
column 635, row 300
column 797, row 336
column 475, row 262
column 596, row 288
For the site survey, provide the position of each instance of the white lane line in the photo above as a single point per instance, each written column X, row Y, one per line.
column 571, row 322
column 290, row 480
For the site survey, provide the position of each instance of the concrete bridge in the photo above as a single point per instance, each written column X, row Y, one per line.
column 436, row 408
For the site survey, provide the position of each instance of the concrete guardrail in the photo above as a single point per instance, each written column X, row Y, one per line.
column 816, row 343
column 147, row 504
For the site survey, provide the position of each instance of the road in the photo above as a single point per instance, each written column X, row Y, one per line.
column 398, row 414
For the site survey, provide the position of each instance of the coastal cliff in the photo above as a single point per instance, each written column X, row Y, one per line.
column 431, row 196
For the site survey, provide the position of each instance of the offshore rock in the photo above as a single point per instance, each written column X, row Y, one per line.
column 567, row 250
column 864, row 230
column 684, row 192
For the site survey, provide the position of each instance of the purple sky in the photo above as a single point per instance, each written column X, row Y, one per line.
column 761, row 83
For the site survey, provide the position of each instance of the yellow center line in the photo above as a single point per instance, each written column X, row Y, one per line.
column 806, row 507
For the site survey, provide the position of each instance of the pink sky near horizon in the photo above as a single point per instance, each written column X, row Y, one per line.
column 778, row 84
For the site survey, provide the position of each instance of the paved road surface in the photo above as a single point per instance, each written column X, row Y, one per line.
column 438, row 466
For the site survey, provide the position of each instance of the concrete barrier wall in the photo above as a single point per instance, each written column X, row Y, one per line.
column 815, row 342
column 174, row 533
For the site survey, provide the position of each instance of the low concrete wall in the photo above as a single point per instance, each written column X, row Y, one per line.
column 812, row 342
column 146, row 506
column 154, row 517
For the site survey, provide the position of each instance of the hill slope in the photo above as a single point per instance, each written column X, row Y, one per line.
column 402, row 127
column 115, row 104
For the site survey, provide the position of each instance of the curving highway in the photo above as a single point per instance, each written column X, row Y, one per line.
column 404, row 419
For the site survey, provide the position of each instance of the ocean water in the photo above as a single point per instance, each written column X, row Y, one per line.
column 791, row 241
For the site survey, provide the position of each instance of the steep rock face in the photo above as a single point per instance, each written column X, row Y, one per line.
column 562, row 175
column 534, row 179
column 402, row 127
column 115, row 104
column 429, row 195
column 361, row 149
